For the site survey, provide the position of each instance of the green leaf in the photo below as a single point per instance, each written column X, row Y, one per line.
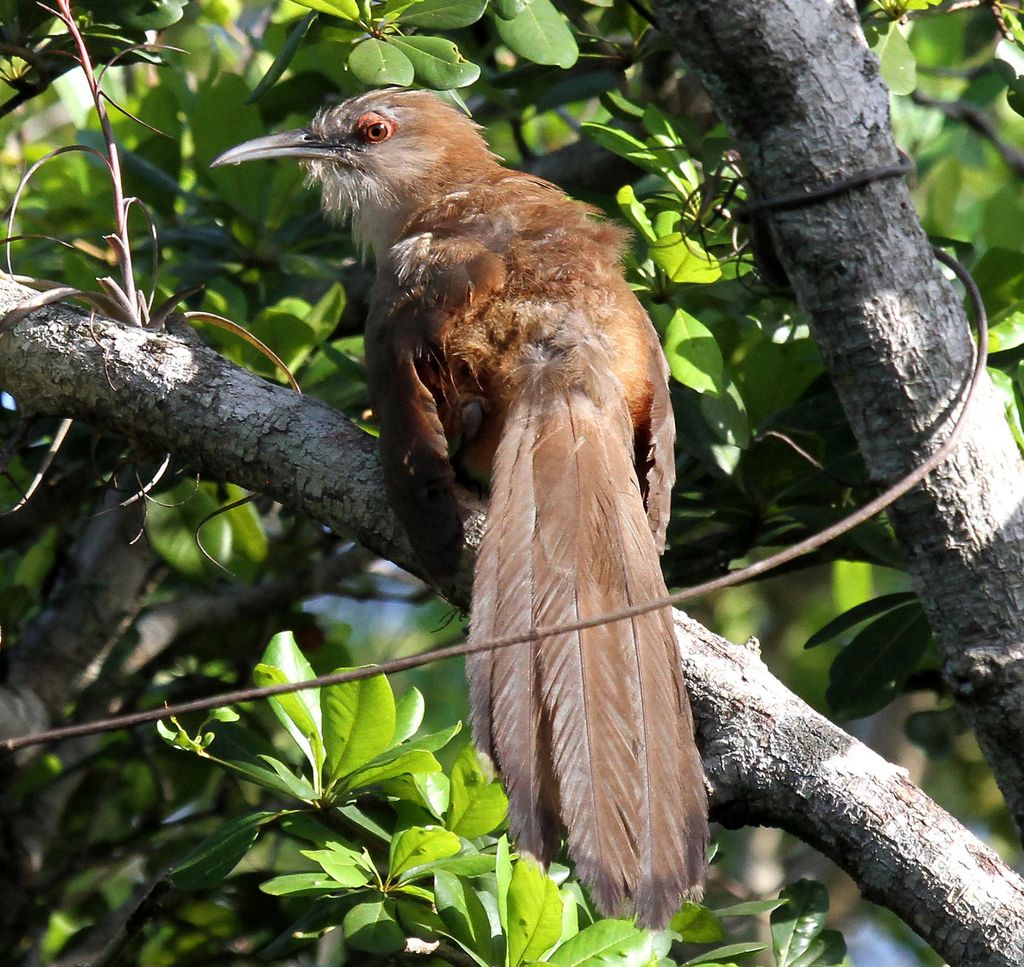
column 419, row 846
column 1006, row 393
column 621, row 143
column 897, row 64
column 697, row 924
column 358, row 723
column 432, row 790
column 371, row 926
column 249, row 539
column 443, row 14
column 796, row 924
column 693, row 355
column 723, row 954
column 302, row 884
column 298, row 712
column 220, row 121
column 283, row 58
column 683, row 260
column 343, row 864
column 408, row 715
column 219, row 853
column 418, row 918
column 999, row 275
column 612, row 942
column 870, row 671
column 503, row 877
column 463, row 914
column 386, row 768
column 828, row 949
column 749, row 908
column 298, row 786
column 303, row 826
column 477, row 803
column 855, row 616
column 469, row 864
column 375, row 62
column 725, row 414
column 432, row 741
column 347, row 9
column 437, row 61
column 323, row 317
column 241, row 751
column 171, row 529
column 508, row 9
column 134, row 14
column 539, row 33
column 1008, row 333
column 634, row 212
column 534, row 911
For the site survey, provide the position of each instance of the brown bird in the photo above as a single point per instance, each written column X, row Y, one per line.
column 504, row 347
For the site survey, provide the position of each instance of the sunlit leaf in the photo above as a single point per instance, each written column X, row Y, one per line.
column 419, row 846
column 358, row 723
column 534, row 912
column 463, row 914
column 478, row 802
column 298, row 712
column 693, row 354
column 696, row 924
column 348, row 9
column 607, row 943
column 898, row 67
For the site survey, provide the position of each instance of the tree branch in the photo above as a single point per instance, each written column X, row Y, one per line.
column 772, row 760
column 769, row 757
column 977, row 120
column 801, row 93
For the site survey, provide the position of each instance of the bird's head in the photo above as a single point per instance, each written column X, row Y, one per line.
column 379, row 157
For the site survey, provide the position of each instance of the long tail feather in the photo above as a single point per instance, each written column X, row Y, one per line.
column 591, row 728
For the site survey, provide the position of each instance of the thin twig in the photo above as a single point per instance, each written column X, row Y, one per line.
column 977, row 120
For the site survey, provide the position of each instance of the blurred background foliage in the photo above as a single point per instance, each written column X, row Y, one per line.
column 589, row 94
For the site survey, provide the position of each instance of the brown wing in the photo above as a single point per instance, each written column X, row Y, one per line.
column 408, row 376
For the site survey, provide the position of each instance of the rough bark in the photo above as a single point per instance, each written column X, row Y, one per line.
column 802, row 96
column 769, row 758
column 772, row 760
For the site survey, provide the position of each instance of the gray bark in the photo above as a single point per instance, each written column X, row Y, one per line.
column 770, row 759
column 799, row 90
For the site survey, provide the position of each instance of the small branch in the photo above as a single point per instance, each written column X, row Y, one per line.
column 977, row 120
column 772, row 760
column 159, row 627
column 100, row 586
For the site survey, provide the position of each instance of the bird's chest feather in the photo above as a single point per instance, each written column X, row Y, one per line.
column 470, row 306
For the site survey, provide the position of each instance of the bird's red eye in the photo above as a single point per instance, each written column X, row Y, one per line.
column 373, row 128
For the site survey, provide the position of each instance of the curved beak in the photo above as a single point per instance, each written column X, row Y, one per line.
column 299, row 143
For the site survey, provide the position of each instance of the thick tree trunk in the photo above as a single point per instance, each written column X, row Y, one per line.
column 801, row 93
